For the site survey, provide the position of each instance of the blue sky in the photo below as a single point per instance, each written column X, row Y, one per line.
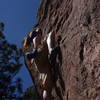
column 19, row 17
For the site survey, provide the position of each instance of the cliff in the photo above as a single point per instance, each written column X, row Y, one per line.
column 78, row 24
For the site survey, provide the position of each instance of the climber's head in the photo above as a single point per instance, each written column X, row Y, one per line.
column 38, row 30
column 35, row 32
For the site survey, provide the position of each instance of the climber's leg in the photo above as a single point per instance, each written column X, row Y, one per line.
column 32, row 54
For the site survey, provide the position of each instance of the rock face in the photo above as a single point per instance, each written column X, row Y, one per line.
column 78, row 23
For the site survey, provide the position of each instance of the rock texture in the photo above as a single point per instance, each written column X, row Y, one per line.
column 78, row 23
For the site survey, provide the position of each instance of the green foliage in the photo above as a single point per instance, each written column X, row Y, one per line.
column 30, row 94
column 9, row 67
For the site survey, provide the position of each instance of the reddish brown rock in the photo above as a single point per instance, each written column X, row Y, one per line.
column 78, row 23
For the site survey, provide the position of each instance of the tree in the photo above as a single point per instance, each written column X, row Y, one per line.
column 30, row 94
column 9, row 67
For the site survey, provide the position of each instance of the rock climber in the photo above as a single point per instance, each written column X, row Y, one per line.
column 34, row 37
column 39, row 57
